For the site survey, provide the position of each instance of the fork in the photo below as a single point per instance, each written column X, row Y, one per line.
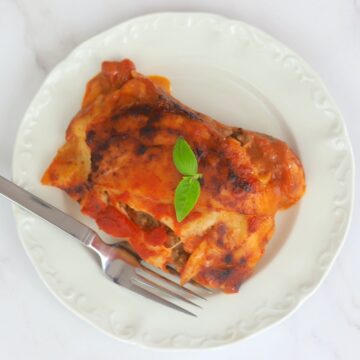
column 118, row 262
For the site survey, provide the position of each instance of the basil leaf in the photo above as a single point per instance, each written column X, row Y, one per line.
column 186, row 196
column 184, row 158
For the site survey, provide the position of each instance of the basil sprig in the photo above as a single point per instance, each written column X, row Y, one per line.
column 188, row 190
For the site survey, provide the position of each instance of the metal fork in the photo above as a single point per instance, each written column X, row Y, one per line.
column 118, row 263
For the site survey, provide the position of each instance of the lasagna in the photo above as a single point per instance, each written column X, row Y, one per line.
column 117, row 163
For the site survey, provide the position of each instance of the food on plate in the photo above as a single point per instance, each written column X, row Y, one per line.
column 117, row 163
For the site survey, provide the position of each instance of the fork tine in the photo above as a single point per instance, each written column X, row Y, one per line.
column 137, row 287
column 165, row 289
column 168, row 281
column 192, row 282
column 126, row 246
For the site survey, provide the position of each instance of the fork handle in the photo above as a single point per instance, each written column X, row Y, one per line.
column 46, row 211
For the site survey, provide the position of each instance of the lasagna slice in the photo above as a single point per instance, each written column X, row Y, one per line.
column 117, row 164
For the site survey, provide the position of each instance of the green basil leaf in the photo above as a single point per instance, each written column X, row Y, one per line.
column 186, row 196
column 184, row 158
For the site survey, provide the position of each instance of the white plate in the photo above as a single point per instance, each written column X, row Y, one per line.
column 240, row 76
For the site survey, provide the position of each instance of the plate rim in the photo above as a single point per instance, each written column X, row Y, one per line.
column 304, row 296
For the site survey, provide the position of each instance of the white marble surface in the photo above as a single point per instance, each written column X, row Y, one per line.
column 34, row 36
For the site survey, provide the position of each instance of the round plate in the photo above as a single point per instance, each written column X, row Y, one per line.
column 240, row 76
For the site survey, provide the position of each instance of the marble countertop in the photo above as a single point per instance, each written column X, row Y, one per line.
column 37, row 34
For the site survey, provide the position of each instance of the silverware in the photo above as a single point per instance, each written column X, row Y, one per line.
column 118, row 263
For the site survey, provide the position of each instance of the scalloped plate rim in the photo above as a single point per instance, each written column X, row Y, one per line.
column 303, row 297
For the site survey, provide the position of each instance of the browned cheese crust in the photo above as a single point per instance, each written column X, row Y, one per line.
column 117, row 163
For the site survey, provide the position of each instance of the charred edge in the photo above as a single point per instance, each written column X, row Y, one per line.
column 229, row 279
column 239, row 135
column 78, row 190
column 238, row 183
column 136, row 110
column 155, row 116
column 90, row 136
column 149, row 130
column 181, row 110
column 96, row 157
column 169, row 105
column 97, row 153
column 219, row 275
column 178, row 108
